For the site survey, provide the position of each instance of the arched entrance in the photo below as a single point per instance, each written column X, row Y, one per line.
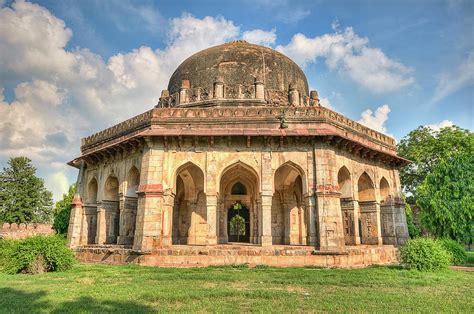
column 368, row 222
column 289, row 216
column 110, row 204
column 189, row 223
column 347, row 205
column 238, row 223
column 238, row 185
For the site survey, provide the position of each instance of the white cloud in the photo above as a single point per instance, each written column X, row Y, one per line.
column 63, row 95
column 326, row 103
column 453, row 81
column 350, row 54
column 440, row 125
column 57, row 183
column 260, row 37
column 375, row 120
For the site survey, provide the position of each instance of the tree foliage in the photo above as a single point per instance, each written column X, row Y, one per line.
column 62, row 211
column 446, row 197
column 23, row 197
column 426, row 147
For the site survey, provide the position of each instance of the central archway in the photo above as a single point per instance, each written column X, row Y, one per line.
column 238, row 223
column 238, row 185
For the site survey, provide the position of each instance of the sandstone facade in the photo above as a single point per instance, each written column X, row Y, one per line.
column 259, row 162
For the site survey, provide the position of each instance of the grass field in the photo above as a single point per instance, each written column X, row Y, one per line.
column 100, row 288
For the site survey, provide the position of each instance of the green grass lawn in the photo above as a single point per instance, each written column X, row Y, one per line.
column 101, row 288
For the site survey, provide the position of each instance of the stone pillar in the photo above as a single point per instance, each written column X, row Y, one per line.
column 101, row 235
column 122, row 220
column 218, row 88
column 211, row 203
column 75, row 222
column 148, row 230
column 311, row 218
column 167, row 216
column 259, row 89
column 294, row 95
column 183, row 92
column 266, row 197
column 313, row 98
column 393, row 223
column 331, row 235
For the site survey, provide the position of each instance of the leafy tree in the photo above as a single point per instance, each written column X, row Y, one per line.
column 23, row 197
column 63, row 210
column 425, row 148
column 446, row 197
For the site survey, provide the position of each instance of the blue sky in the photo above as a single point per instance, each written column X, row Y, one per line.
column 70, row 68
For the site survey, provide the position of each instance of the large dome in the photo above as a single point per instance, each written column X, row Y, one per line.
column 239, row 62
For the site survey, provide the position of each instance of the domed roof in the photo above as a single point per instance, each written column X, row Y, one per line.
column 240, row 63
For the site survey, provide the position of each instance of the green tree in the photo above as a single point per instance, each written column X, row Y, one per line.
column 446, row 197
column 425, row 148
column 23, row 197
column 62, row 211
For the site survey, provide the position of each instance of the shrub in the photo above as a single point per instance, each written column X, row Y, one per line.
column 425, row 254
column 458, row 254
column 36, row 254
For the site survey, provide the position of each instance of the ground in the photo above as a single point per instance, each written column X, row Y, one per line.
column 102, row 288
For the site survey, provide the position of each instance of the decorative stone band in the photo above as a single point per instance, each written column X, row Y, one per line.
column 256, row 115
column 150, row 190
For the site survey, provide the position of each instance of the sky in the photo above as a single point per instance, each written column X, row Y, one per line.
column 72, row 68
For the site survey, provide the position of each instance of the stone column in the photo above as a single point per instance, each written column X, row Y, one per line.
column 218, row 88
column 331, row 235
column 311, row 216
column 211, row 203
column 101, row 235
column 259, row 89
column 148, row 230
column 266, row 197
column 167, row 216
column 121, row 239
column 75, row 222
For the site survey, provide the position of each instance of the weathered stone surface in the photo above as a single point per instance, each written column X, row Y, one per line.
column 236, row 157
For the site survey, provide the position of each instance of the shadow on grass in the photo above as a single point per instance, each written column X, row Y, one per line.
column 17, row 301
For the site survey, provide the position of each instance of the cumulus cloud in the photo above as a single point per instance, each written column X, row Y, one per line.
column 260, row 37
column 440, row 125
column 350, row 54
column 375, row 120
column 326, row 103
column 63, row 95
column 453, row 81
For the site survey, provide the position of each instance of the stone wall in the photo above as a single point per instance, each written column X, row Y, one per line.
column 15, row 231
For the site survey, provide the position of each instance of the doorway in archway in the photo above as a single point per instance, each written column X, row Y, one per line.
column 238, row 223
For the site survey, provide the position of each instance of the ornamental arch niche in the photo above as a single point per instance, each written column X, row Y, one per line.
column 347, row 204
column 385, row 196
column 89, row 225
column 237, row 214
column 289, row 217
column 189, row 223
column 368, row 221
column 128, row 213
column 110, row 204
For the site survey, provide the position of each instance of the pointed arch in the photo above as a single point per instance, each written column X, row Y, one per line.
column 344, row 182
column 366, row 189
column 236, row 174
column 189, row 222
column 133, row 181
column 111, row 189
column 384, row 190
column 92, row 188
column 289, row 220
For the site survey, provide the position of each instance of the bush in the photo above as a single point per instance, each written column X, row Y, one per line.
column 35, row 255
column 458, row 254
column 425, row 254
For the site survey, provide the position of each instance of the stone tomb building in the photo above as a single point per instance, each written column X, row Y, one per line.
column 238, row 162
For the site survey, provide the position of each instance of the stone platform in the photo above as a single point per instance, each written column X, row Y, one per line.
column 233, row 254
